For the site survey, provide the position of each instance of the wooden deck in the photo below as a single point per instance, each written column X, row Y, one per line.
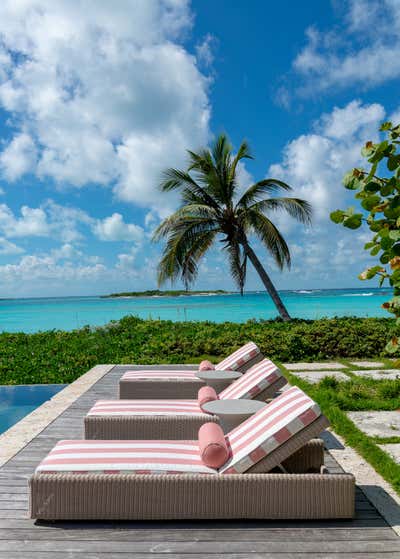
column 367, row 536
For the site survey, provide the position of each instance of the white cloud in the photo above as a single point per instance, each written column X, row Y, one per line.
column 66, row 252
column 314, row 163
column 363, row 50
column 102, row 92
column 204, row 50
column 67, row 224
column 31, row 268
column 32, row 222
column 19, row 157
column 8, row 248
column 114, row 228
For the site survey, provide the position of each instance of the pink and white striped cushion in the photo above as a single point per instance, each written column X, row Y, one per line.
column 269, row 428
column 239, row 357
column 170, row 374
column 145, row 407
column 132, row 457
column 254, row 381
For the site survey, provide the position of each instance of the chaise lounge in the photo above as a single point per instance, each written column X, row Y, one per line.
column 214, row 477
column 177, row 419
column 173, row 383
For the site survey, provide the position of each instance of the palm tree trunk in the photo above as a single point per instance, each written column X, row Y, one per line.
column 269, row 286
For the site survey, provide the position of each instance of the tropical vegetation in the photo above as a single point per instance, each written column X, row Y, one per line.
column 214, row 207
column 378, row 191
column 61, row 357
column 158, row 293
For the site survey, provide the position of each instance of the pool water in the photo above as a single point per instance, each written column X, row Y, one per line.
column 18, row 401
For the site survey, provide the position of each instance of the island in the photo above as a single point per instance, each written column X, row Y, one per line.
column 158, row 293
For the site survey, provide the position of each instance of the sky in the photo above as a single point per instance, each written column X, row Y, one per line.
column 97, row 98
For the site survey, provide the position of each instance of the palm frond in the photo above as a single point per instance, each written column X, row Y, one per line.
column 179, row 221
column 297, row 208
column 183, row 249
column 177, row 179
column 258, row 190
column 242, row 153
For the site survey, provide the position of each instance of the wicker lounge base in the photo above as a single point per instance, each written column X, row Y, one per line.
column 123, row 427
column 191, row 496
column 145, row 389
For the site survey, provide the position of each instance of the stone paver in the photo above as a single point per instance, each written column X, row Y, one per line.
column 377, row 423
column 391, row 374
column 316, row 376
column 313, row 366
column 379, row 492
column 392, row 449
column 368, row 364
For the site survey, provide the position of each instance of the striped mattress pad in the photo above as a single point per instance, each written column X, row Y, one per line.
column 233, row 362
column 145, row 407
column 269, row 428
column 119, row 457
column 250, row 442
column 160, row 375
column 239, row 357
column 253, row 382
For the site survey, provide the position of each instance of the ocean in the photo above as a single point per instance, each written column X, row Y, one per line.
column 68, row 313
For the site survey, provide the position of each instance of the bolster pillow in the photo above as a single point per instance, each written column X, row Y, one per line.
column 212, row 445
column 206, row 366
column 206, row 394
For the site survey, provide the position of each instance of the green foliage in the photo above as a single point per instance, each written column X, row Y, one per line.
column 379, row 197
column 333, row 402
column 61, row 357
column 158, row 293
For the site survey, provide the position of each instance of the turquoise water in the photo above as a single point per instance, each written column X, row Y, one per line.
column 67, row 313
column 18, row 401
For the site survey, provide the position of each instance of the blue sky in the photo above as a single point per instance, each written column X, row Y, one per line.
column 95, row 100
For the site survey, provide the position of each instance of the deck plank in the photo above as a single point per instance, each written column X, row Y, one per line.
column 367, row 535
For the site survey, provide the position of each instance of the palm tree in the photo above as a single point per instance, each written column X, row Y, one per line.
column 211, row 207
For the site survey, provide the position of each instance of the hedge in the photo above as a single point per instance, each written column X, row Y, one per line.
column 60, row 357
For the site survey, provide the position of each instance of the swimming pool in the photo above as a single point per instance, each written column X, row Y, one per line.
column 18, row 401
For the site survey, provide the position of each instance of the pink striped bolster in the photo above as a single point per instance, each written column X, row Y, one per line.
column 145, row 407
column 162, row 375
column 269, row 428
column 206, row 394
column 239, row 357
column 206, row 366
column 127, row 456
column 256, row 379
column 212, row 444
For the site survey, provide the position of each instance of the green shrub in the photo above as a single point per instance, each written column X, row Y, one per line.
column 60, row 357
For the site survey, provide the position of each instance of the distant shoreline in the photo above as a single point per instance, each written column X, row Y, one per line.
column 158, row 293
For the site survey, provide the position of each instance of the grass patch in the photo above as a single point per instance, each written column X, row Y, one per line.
column 325, row 395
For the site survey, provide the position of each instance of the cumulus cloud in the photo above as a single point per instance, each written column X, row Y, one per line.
column 363, row 50
column 31, row 223
column 100, row 92
column 19, row 157
column 8, row 248
column 315, row 163
column 114, row 228
column 67, row 224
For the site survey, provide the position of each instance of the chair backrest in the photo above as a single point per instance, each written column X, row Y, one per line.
column 251, row 383
column 269, row 428
column 239, row 357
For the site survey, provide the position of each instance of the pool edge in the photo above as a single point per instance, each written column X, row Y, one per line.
column 20, row 434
